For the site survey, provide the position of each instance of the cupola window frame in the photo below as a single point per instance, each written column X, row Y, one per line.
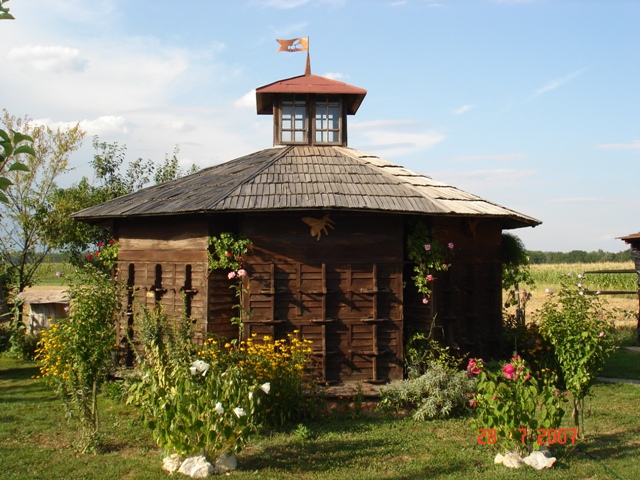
column 310, row 119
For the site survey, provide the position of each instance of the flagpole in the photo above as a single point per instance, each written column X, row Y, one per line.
column 307, row 70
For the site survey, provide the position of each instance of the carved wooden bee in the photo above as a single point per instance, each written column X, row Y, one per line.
column 319, row 225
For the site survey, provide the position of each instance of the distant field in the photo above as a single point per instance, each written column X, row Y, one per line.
column 46, row 274
column 549, row 276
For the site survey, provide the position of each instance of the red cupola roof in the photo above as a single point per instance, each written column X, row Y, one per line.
column 313, row 84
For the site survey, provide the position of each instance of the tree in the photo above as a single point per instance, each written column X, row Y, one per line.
column 112, row 179
column 12, row 144
column 4, row 11
column 26, row 214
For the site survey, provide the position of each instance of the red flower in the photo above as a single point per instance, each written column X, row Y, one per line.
column 100, row 244
column 473, row 403
column 112, row 241
column 89, row 256
column 227, row 254
column 509, row 371
column 472, row 368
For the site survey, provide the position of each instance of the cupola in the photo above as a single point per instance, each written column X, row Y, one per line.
column 309, row 109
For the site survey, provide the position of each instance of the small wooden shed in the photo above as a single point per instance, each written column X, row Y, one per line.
column 329, row 228
column 43, row 306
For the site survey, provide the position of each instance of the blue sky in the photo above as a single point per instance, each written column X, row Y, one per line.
column 532, row 104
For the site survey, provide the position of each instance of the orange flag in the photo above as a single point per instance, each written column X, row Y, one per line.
column 294, row 45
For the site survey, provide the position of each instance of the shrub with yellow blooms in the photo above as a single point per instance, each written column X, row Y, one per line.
column 76, row 352
column 280, row 362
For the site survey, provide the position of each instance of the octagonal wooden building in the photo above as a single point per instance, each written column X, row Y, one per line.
column 329, row 228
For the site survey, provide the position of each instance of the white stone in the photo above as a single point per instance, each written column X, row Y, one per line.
column 539, row 460
column 171, row 463
column 226, row 462
column 499, row 459
column 196, row 467
column 512, row 460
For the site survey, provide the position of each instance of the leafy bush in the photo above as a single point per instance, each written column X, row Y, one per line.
column 422, row 352
column 76, row 352
column 5, row 337
column 514, row 404
column 527, row 341
column 190, row 404
column 438, row 393
column 581, row 331
column 280, row 362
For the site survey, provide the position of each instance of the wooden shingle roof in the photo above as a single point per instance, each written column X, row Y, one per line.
column 304, row 177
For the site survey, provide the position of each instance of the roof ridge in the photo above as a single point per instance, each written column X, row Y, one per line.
column 262, row 168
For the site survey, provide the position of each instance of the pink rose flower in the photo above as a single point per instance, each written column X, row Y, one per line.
column 242, row 272
column 425, row 300
column 427, row 247
column 429, row 277
column 473, row 403
column 450, row 245
column 231, row 275
column 472, row 368
column 509, row 371
column 601, row 334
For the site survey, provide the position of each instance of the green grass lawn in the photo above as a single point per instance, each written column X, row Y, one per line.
column 36, row 442
column 623, row 364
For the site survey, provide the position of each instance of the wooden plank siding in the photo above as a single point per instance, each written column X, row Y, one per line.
column 343, row 291
column 162, row 265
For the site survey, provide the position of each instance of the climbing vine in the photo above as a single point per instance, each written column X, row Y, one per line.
column 429, row 256
column 227, row 254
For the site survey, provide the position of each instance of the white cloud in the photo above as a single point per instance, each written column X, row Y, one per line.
column 284, row 4
column 394, row 138
column 556, row 83
column 505, row 157
column 248, row 100
column 635, row 145
column 334, row 75
column 106, row 125
column 486, row 180
column 463, row 109
column 53, row 58
column 178, row 125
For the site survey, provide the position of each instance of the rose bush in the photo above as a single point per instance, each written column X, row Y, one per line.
column 514, row 403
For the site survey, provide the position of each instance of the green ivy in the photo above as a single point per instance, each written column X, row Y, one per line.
column 226, row 253
column 429, row 256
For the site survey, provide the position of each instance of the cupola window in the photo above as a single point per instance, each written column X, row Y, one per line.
column 311, row 119
column 294, row 120
column 327, row 126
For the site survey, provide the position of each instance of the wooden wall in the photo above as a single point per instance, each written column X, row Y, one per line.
column 342, row 290
column 163, row 260
column 348, row 288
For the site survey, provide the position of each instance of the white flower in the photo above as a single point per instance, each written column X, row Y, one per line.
column 200, row 367
column 239, row 412
column 266, row 387
column 250, row 395
column 219, row 408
